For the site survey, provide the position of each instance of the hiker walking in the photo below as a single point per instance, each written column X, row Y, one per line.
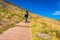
column 26, row 16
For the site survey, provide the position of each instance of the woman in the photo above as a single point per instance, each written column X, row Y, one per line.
column 26, row 16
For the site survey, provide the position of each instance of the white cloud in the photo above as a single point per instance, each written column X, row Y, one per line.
column 56, row 13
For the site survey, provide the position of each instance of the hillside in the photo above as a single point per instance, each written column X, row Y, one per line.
column 59, row 20
column 10, row 15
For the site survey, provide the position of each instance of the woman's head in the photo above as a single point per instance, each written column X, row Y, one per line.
column 26, row 11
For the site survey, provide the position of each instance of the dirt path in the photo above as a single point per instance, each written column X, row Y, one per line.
column 20, row 32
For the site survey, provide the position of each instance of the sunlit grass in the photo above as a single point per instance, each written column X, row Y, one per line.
column 10, row 16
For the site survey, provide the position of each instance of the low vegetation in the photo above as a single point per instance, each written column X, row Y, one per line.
column 11, row 15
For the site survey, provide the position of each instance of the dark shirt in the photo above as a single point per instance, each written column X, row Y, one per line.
column 26, row 15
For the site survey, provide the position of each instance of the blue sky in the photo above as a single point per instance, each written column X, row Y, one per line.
column 47, row 8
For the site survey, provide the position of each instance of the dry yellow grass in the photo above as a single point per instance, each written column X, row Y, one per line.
column 11, row 15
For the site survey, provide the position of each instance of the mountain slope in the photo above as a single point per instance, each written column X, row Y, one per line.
column 10, row 15
column 59, row 20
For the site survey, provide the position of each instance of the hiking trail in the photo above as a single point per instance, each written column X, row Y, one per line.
column 22, row 31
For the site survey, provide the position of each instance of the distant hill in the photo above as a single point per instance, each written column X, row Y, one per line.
column 10, row 15
column 59, row 20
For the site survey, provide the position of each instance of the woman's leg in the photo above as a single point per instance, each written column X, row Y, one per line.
column 26, row 20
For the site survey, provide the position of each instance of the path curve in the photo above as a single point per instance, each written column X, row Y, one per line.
column 18, row 33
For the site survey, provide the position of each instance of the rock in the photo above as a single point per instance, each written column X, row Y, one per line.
column 43, row 35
